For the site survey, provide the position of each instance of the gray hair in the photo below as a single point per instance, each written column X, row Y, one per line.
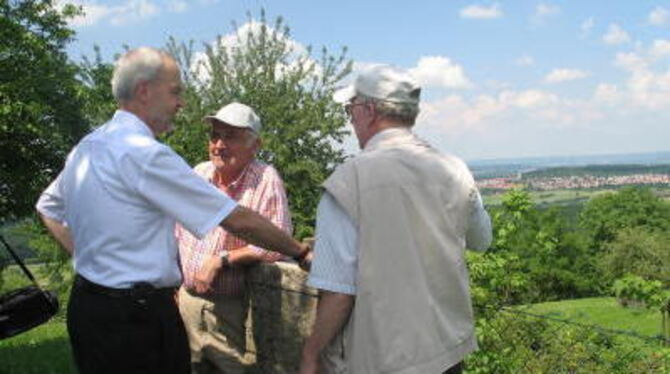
column 138, row 65
column 405, row 113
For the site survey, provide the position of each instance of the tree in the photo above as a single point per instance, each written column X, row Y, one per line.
column 40, row 117
column 541, row 244
column 639, row 252
column 291, row 92
column 632, row 207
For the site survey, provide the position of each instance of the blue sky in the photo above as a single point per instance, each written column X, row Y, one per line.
column 501, row 79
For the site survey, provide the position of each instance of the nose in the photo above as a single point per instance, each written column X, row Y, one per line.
column 180, row 102
column 220, row 143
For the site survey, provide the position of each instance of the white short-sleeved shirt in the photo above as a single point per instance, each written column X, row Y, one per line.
column 120, row 194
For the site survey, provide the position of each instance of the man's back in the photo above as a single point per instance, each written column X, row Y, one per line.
column 411, row 205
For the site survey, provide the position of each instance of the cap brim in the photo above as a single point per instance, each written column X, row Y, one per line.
column 344, row 95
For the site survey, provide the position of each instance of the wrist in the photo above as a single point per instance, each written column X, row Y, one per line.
column 224, row 257
column 303, row 253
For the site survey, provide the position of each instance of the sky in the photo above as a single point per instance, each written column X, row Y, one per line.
column 500, row 79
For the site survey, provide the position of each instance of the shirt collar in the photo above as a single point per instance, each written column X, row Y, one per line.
column 386, row 135
column 133, row 122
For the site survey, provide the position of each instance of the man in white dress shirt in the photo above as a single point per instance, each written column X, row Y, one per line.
column 392, row 226
column 114, row 206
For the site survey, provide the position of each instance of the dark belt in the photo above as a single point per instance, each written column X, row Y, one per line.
column 138, row 290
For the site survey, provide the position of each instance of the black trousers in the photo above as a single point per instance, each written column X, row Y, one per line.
column 137, row 332
column 456, row 369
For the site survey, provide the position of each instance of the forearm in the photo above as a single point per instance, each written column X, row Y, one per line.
column 332, row 314
column 244, row 256
column 60, row 232
column 257, row 230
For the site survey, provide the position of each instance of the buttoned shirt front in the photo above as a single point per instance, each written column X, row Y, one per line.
column 259, row 188
column 120, row 194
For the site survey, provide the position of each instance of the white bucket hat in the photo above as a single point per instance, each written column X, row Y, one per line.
column 238, row 115
column 382, row 82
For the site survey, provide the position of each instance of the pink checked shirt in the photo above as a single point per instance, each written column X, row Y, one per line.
column 259, row 188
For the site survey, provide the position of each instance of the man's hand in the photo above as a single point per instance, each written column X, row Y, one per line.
column 306, row 263
column 205, row 277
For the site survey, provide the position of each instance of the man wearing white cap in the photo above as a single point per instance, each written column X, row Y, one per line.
column 213, row 300
column 392, row 226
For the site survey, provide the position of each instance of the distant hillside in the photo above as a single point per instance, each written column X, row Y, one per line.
column 513, row 167
column 596, row 171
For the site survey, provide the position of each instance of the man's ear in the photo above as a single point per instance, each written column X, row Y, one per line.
column 258, row 143
column 142, row 91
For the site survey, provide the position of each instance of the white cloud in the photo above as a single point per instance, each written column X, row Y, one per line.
column 616, row 35
column 563, row 75
column 481, row 11
column 659, row 16
column 527, row 99
column 544, row 11
column 525, row 60
column 131, row 11
column 177, row 6
column 660, row 48
column 607, row 93
column 238, row 38
column 587, row 26
column 648, row 85
column 630, row 61
column 93, row 12
column 439, row 71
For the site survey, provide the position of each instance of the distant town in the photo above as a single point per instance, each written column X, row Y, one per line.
column 572, row 182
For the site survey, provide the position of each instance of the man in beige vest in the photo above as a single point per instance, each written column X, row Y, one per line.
column 392, row 227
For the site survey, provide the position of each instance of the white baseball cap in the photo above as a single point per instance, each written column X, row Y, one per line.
column 382, row 82
column 238, row 115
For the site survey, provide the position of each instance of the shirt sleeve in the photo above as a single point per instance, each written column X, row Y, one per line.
column 172, row 186
column 479, row 235
column 51, row 203
column 335, row 263
column 274, row 206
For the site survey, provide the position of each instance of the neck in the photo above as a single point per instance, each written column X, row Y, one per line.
column 224, row 179
column 380, row 125
column 140, row 112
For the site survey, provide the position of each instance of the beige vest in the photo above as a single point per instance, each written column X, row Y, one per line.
column 413, row 312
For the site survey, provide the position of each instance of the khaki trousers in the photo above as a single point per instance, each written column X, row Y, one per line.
column 216, row 332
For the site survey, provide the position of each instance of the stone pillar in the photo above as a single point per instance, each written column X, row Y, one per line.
column 282, row 314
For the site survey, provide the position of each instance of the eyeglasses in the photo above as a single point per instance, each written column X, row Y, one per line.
column 228, row 136
column 349, row 107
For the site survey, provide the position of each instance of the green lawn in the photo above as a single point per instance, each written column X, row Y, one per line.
column 44, row 349
column 558, row 197
column 604, row 312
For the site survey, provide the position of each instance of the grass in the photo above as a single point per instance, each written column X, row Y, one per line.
column 604, row 312
column 554, row 197
column 42, row 350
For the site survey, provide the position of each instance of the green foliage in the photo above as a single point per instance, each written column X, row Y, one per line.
column 40, row 115
column 513, row 343
column 547, row 252
column 496, row 278
column 630, row 208
column 649, row 293
column 638, row 251
column 95, row 90
column 289, row 89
